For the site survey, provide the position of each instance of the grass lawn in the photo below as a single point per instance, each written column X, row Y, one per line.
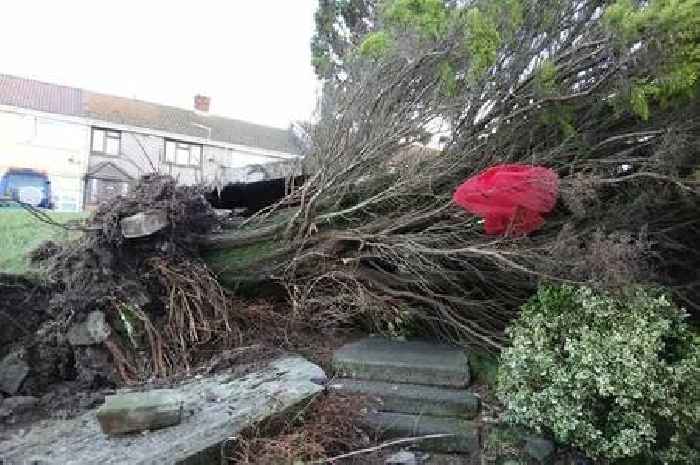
column 20, row 232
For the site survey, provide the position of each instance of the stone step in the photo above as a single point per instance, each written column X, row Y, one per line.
column 413, row 398
column 401, row 425
column 406, row 362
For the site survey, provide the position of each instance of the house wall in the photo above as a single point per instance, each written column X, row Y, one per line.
column 60, row 147
column 133, row 160
column 56, row 147
column 219, row 166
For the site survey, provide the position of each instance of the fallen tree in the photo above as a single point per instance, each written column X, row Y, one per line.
column 603, row 92
column 373, row 238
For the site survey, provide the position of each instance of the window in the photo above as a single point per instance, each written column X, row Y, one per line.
column 183, row 154
column 106, row 142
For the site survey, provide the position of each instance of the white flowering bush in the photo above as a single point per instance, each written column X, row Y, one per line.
column 616, row 376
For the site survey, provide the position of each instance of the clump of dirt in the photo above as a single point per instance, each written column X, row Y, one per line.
column 159, row 299
column 24, row 307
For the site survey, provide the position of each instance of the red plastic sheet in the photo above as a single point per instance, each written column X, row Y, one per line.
column 511, row 198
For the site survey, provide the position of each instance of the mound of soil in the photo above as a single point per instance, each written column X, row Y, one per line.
column 157, row 299
column 24, row 305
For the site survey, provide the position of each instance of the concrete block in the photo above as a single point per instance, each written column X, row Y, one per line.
column 13, row 371
column 144, row 224
column 409, row 362
column 140, row 411
column 414, row 398
column 205, row 431
column 94, row 330
column 464, row 439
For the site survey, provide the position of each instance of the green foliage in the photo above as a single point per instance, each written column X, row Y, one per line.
column 448, row 80
column 428, row 17
column 546, row 77
column 340, row 25
column 639, row 99
column 508, row 14
column 561, row 116
column 671, row 28
column 482, row 41
column 375, row 45
column 617, row 376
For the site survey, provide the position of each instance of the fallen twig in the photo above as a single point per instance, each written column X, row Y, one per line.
column 384, row 445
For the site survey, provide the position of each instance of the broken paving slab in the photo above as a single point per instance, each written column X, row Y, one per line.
column 410, row 362
column 215, row 410
column 414, row 398
column 140, row 411
column 144, row 224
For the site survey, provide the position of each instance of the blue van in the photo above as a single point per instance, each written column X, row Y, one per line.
column 27, row 185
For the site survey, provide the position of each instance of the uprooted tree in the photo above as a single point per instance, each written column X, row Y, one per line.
column 604, row 92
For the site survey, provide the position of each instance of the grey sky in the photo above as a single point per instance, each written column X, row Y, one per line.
column 251, row 56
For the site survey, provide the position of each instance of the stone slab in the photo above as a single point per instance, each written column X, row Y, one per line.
column 94, row 330
column 215, row 409
column 143, row 224
column 140, row 411
column 13, row 371
column 410, row 362
column 17, row 405
column 401, row 425
column 414, row 398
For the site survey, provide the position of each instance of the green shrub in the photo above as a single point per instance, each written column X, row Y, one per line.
column 616, row 376
column 375, row 44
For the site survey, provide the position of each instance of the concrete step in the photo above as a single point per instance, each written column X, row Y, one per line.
column 406, row 362
column 401, row 425
column 413, row 398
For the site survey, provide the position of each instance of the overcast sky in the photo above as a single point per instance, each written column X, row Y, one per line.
column 251, row 56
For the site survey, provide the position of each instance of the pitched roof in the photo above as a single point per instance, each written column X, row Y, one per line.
column 40, row 96
column 52, row 98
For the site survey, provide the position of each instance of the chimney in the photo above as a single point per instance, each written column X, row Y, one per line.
column 201, row 103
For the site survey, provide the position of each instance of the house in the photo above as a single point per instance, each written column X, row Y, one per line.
column 93, row 146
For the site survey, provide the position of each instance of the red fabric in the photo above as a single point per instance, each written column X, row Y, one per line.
column 511, row 198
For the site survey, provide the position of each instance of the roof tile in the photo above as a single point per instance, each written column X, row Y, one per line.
column 52, row 98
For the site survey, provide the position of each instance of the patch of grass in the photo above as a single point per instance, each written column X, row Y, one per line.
column 20, row 232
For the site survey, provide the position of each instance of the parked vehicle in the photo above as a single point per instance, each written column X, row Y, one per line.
column 26, row 185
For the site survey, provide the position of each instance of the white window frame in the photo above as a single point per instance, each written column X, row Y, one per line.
column 194, row 157
column 107, row 134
